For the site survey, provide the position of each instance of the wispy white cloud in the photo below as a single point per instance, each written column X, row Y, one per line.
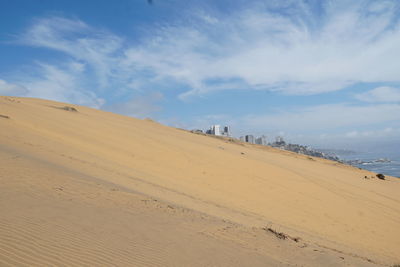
column 325, row 117
column 381, row 94
column 95, row 65
column 97, row 48
column 60, row 84
column 11, row 89
column 89, row 68
column 378, row 139
column 381, row 133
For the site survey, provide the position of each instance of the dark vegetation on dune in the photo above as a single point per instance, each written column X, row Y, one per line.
column 281, row 235
column 67, row 108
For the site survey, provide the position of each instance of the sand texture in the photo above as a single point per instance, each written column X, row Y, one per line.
column 83, row 187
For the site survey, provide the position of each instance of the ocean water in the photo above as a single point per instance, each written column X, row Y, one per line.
column 391, row 168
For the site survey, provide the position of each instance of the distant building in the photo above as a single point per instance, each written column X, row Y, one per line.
column 226, row 131
column 197, row 131
column 262, row 140
column 242, row 138
column 279, row 141
column 216, row 129
column 249, row 139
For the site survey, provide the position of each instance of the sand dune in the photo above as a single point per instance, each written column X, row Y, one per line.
column 88, row 187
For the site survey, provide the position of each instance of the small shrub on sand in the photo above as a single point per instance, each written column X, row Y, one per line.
column 67, row 108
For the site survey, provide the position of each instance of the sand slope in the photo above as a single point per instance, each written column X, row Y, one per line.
column 95, row 188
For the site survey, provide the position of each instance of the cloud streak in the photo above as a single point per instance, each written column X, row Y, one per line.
column 380, row 94
column 326, row 117
column 61, row 83
column 11, row 89
column 75, row 38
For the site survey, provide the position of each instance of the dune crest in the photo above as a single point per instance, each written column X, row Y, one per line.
column 81, row 186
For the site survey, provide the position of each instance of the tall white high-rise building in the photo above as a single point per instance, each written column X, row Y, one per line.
column 249, row 139
column 262, row 140
column 216, row 129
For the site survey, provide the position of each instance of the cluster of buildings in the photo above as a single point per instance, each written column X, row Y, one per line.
column 226, row 131
column 218, row 130
column 262, row 140
column 300, row 149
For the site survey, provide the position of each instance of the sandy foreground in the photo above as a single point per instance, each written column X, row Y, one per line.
column 93, row 188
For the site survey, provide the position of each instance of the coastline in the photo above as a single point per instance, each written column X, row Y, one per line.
column 367, row 161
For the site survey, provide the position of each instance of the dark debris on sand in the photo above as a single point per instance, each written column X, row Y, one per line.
column 4, row 116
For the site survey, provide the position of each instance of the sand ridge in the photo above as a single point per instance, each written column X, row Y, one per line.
column 68, row 158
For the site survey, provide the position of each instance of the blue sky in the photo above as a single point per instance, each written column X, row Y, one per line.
column 324, row 73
